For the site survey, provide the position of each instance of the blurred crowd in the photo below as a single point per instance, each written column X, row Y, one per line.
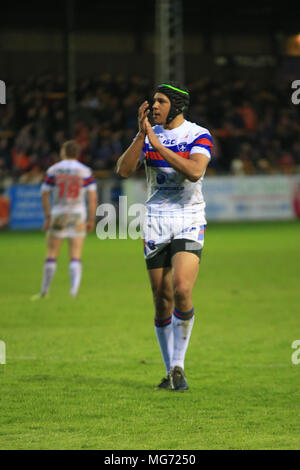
column 255, row 126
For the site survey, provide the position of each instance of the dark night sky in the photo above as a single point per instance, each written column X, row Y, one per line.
column 213, row 16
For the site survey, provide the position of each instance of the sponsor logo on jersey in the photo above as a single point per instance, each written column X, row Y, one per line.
column 161, row 178
column 188, row 229
column 169, row 142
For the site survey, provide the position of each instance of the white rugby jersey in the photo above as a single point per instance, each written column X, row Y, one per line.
column 69, row 180
column 168, row 189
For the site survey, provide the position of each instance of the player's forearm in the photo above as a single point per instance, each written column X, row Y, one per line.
column 46, row 204
column 92, row 205
column 127, row 163
column 188, row 168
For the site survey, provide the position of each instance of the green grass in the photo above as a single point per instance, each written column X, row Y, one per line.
column 80, row 372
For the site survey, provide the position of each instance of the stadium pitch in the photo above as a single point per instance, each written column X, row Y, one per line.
column 80, row 373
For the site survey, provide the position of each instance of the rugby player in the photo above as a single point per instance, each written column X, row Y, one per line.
column 69, row 180
column 176, row 153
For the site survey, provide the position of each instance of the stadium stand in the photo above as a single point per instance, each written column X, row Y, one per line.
column 255, row 126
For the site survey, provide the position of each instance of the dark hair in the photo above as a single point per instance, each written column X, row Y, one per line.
column 71, row 148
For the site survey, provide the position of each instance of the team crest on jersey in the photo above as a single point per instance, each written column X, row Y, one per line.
column 182, row 147
column 151, row 245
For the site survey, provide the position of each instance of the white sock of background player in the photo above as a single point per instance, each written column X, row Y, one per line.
column 75, row 270
column 48, row 273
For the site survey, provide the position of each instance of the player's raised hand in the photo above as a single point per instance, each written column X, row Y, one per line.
column 142, row 116
column 151, row 135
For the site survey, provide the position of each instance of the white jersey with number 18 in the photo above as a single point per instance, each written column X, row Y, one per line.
column 69, row 180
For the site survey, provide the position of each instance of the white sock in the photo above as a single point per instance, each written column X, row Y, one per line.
column 48, row 273
column 164, row 334
column 75, row 270
column 182, row 328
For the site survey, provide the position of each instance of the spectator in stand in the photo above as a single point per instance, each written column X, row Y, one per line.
column 33, row 176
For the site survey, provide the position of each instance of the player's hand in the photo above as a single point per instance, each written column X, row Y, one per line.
column 90, row 225
column 153, row 139
column 142, row 116
column 46, row 224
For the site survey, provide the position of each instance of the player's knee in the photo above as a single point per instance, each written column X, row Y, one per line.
column 182, row 289
column 163, row 304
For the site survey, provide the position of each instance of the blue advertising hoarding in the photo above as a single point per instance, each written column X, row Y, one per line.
column 26, row 210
